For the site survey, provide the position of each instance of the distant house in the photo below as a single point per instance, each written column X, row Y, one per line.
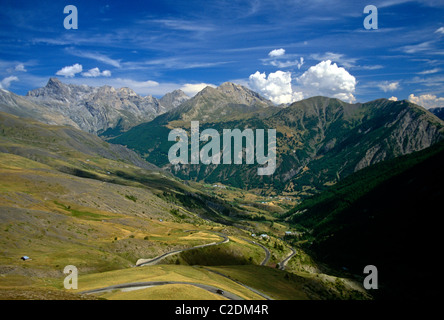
column 288, row 232
column 253, row 235
column 263, row 235
column 24, row 258
column 160, row 220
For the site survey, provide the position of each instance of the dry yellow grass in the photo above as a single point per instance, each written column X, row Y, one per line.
column 164, row 292
column 163, row 273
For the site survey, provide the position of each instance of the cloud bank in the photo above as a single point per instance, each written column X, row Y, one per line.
column 325, row 79
column 276, row 87
column 191, row 89
column 427, row 101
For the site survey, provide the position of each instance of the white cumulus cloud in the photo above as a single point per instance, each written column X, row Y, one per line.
column 191, row 89
column 95, row 72
column 427, row 101
column 6, row 82
column 327, row 79
column 323, row 79
column 393, row 98
column 276, row 53
column 70, row 71
column 276, row 87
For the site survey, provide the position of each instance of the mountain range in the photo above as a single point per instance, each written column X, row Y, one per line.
column 319, row 140
column 92, row 109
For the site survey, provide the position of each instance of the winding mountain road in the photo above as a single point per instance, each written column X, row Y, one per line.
column 212, row 289
column 146, row 262
column 240, row 283
column 267, row 252
column 147, row 284
column 283, row 263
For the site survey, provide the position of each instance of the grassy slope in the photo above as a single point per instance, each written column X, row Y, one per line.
column 68, row 198
column 163, row 273
column 165, row 292
column 102, row 214
column 61, row 223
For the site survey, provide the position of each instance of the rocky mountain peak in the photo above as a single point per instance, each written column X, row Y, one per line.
column 127, row 92
column 208, row 90
column 178, row 93
column 107, row 90
column 96, row 109
column 54, row 87
column 173, row 99
column 54, row 83
column 242, row 95
column 229, row 87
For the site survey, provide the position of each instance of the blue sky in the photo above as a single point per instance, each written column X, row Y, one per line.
column 285, row 50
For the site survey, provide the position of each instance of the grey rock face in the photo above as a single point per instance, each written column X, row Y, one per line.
column 228, row 101
column 243, row 95
column 97, row 109
column 173, row 99
column 22, row 107
column 413, row 129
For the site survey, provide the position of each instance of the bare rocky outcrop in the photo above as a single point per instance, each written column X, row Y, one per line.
column 91, row 109
column 97, row 109
column 173, row 99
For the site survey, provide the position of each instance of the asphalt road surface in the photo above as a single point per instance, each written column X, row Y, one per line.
column 144, row 285
column 267, row 252
column 283, row 263
column 145, row 262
